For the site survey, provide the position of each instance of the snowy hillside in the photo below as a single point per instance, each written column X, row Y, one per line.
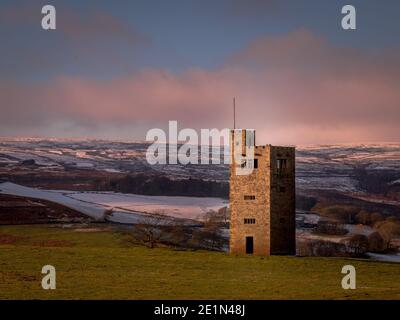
column 317, row 167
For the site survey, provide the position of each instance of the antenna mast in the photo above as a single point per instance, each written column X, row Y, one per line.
column 234, row 113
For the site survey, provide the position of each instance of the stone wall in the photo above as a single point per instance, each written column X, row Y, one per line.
column 283, row 219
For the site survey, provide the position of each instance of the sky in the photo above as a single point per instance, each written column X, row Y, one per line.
column 116, row 69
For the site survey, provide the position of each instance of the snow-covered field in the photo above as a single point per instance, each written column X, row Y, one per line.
column 126, row 208
column 179, row 207
column 94, row 211
column 132, row 209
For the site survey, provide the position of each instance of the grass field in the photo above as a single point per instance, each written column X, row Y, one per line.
column 102, row 265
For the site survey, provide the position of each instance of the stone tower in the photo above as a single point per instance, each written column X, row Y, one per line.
column 262, row 202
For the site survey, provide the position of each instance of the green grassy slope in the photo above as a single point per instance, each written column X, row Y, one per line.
column 100, row 265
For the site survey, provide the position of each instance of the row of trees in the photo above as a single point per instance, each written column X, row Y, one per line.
column 359, row 244
column 340, row 213
column 368, row 218
column 349, row 214
column 162, row 185
column 379, row 241
column 385, row 231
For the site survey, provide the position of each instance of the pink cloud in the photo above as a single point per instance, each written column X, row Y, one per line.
column 296, row 88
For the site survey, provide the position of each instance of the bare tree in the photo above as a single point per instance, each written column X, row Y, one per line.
column 225, row 215
column 212, row 236
column 220, row 217
column 209, row 236
column 151, row 230
column 156, row 229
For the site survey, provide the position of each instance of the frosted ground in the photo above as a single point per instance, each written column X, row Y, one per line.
column 125, row 208
column 194, row 208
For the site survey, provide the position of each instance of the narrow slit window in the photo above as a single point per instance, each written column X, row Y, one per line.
column 249, row 221
column 281, row 165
